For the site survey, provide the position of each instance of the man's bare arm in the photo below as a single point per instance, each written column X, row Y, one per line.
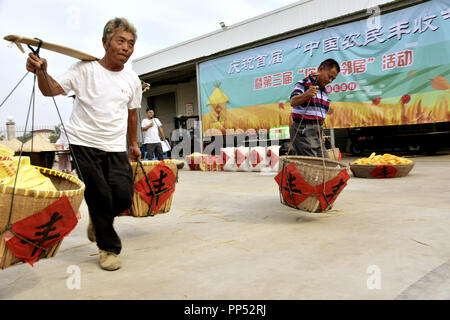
column 147, row 127
column 161, row 130
column 39, row 65
column 304, row 97
column 134, row 152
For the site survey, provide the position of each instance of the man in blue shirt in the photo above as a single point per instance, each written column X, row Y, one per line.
column 310, row 104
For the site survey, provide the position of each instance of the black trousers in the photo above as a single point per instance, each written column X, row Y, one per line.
column 156, row 148
column 109, row 191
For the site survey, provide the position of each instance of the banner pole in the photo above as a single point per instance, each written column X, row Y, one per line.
column 333, row 144
column 198, row 129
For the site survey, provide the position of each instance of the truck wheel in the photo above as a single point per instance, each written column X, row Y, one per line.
column 356, row 149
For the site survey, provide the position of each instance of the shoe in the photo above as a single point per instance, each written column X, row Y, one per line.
column 109, row 260
column 91, row 231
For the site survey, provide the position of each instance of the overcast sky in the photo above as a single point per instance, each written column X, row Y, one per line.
column 79, row 24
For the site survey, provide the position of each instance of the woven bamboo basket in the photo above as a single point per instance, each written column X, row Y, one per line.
column 365, row 171
column 28, row 202
column 139, row 207
column 180, row 165
column 315, row 171
column 334, row 154
column 195, row 160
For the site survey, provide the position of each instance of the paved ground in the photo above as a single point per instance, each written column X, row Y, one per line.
column 228, row 237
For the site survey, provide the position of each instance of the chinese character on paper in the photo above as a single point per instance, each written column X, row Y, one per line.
column 398, row 29
column 288, row 78
column 374, row 34
column 330, row 44
column 446, row 14
column 277, row 57
column 389, row 61
column 45, row 233
column 267, row 82
column 356, row 66
column 405, row 58
column 398, row 59
column 234, row 67
column 350, row 41
column 311, row 46
column 308, row 71
column 261, row 61
column 424, row 24
column 247, row 64
column 346, row 68
column 359, row 66
column 258, row 83
column 277, row 80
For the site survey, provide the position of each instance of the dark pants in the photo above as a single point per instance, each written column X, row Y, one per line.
column 109, row 191
column 156, row 148
column 307, row 140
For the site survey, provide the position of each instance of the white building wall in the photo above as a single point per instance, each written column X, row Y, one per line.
column 286, row 19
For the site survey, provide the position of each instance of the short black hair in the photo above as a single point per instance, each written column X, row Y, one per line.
column 330, row 64
column 149, row 108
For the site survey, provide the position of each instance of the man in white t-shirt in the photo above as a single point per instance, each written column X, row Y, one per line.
column 104, row 114
column 152, row 127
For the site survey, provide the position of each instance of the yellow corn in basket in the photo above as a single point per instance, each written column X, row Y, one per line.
column 381, row 166
column 303, row 178
column 27, row 202
column 154, row 187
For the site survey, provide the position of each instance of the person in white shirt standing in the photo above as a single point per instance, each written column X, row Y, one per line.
column 64, row 164
column 104, row 114
column 152, row 127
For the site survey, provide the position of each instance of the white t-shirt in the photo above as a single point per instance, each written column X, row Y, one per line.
column 99, row 117
column 151, row 135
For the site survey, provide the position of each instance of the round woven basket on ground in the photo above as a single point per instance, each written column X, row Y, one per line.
column 140, row 207
column 180, row 165
column 28, row 202
column 374, row 171
column 177, row 162
column 315, row 171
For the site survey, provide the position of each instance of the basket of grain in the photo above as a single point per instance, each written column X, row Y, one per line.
column 22, row 206
column 310, row 184
column 154, row 184
column 381, row 166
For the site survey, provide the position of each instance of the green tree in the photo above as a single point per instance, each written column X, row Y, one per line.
column 55, row 135
column 25, row 137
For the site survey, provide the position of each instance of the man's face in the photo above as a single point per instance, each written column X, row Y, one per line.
column 150, row 114
column 326, row 76
column 121, row 46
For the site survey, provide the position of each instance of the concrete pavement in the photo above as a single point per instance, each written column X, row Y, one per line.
column 228, row 237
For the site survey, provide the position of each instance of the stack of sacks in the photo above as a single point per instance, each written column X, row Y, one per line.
column 273, row 154
column 29, row 176
column 228, row 157
column 194, row 160
column 258, row 158
column 211, row 163
column 241, row 157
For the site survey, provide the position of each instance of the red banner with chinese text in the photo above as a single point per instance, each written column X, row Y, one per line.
column 43, row 229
